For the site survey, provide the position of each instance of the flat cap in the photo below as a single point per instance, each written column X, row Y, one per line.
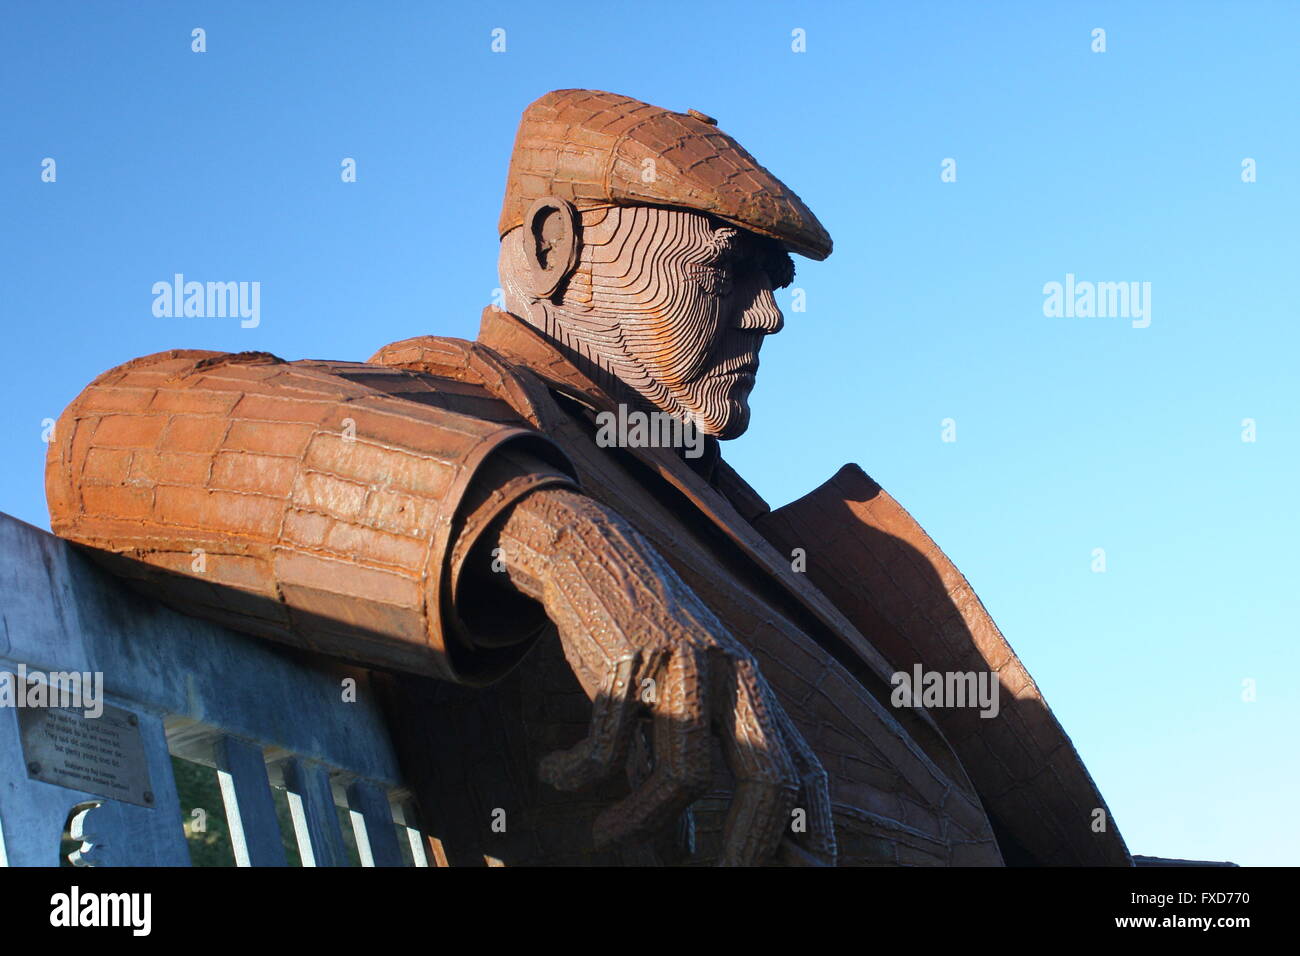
column 601, row 149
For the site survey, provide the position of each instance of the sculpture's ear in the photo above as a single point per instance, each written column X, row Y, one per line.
column 551, row 243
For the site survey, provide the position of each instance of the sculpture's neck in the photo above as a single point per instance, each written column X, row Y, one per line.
column 607, row 367
column 594, row 345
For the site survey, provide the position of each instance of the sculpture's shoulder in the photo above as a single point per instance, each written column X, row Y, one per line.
column 325, row 496
column 208, row 425
column 440, row 381
column 440, row 355
column 742, row 495
column 472, row 369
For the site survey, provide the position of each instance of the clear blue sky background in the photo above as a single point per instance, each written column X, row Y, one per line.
column 1072, row 434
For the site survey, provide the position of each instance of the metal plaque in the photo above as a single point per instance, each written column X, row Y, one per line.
column 102, row 755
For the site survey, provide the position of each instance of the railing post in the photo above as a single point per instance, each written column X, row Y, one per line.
column 372, row 821
column 250, row 809
column 315, row 817
column 405, row 816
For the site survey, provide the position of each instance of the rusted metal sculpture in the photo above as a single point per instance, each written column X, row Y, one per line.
column 572, row 628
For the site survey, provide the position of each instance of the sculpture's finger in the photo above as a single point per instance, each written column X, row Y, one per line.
column 813, row 837
column 682, row 757
column 604, row 749
column 767, row 783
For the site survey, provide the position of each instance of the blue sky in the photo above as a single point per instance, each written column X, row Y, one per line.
column 1072, row 433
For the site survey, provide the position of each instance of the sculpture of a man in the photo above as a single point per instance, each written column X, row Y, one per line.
column 448, row 513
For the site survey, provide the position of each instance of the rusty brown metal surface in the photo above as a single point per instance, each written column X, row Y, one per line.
column 312, row 503
column 594, row 148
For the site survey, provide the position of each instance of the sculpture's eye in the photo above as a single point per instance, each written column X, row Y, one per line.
column 716, row 271
column 714, row 278
column 753, row 253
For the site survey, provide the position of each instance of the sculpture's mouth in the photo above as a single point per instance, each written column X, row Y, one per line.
column 746, row 364
column 746, row 372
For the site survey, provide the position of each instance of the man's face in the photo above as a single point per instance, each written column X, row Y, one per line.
column 693, row 297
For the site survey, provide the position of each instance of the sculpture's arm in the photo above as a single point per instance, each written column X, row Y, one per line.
column 641, row 642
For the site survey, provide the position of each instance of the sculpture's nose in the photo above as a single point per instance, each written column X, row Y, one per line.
column 761, row 313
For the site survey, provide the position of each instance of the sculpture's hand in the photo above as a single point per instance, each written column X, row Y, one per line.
column 641, row 642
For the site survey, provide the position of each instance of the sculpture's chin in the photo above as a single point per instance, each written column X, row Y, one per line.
column 718, row 407
column 726, row 412
column 735, row 423
column 733, row 430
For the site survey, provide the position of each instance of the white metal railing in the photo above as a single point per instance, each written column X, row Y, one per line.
column 260, row 715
